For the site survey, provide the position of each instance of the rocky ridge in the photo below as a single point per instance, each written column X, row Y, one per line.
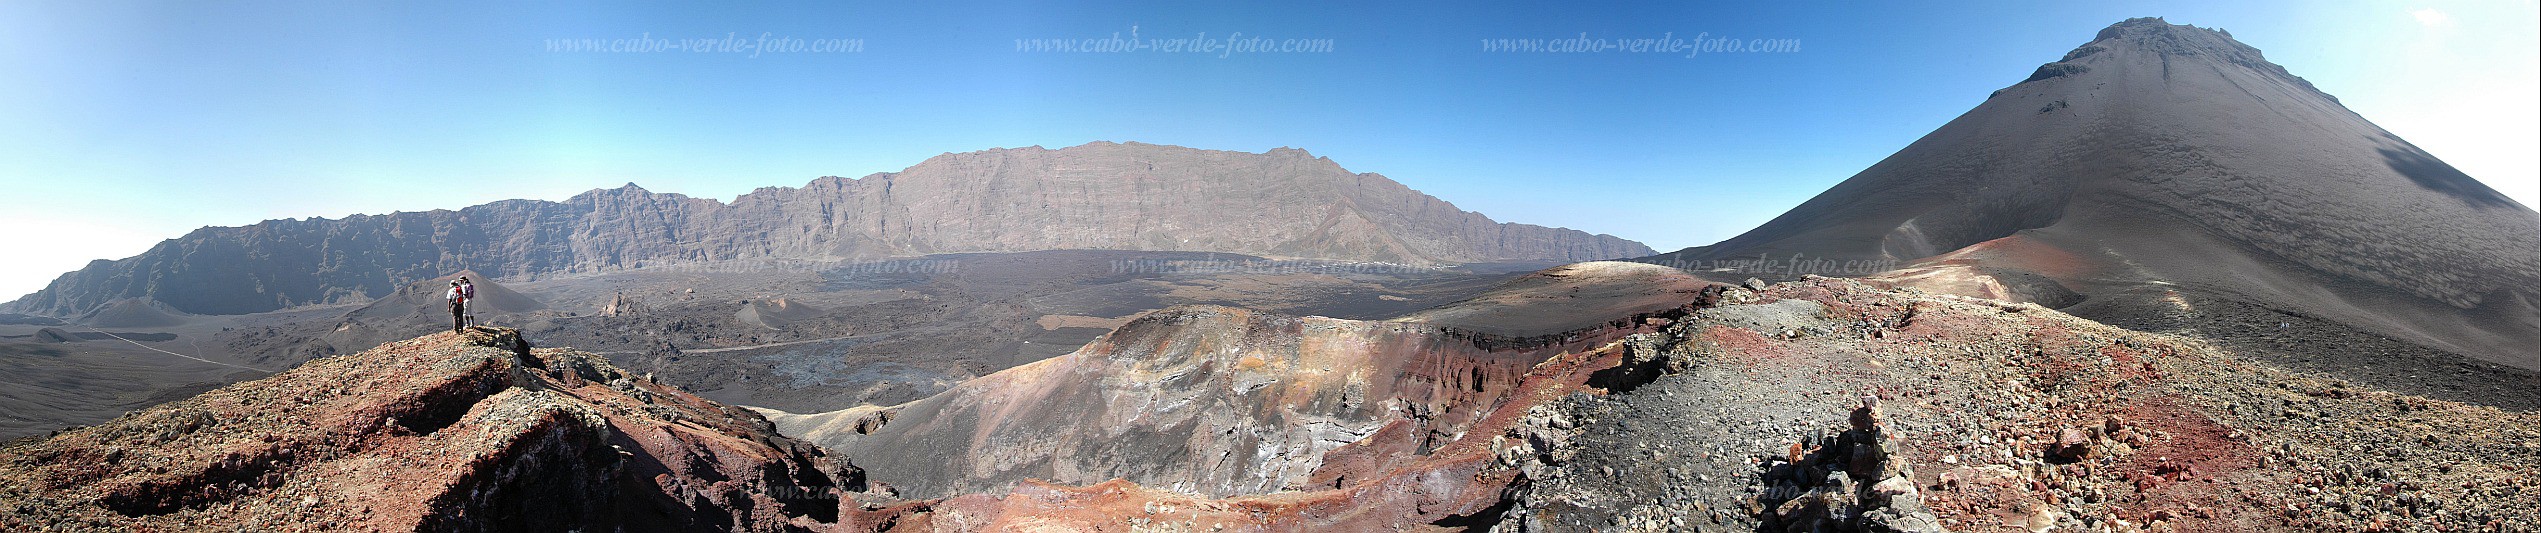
column 1107, row 196
column 1830, row 404
column 451, row 431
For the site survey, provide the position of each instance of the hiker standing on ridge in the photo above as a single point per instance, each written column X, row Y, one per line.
column 467, row 299
column 458, row 307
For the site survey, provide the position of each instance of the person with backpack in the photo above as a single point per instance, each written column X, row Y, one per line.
column 458, row 307
column 467, row 299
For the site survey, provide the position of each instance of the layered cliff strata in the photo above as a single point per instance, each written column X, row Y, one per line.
column 1106, row 196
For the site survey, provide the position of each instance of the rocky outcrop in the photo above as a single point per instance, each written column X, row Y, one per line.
column 1207, row 416
column 419, row 308
column 1834, row 405
column 1437, row 452
column 1857, row 480
column 1283, row 203
column 1210, row 400
column 620, row 305
column 448, row 432
column 1222, row 401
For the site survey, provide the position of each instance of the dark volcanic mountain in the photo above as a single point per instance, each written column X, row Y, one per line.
column 2167, row 173
column 1283, row 203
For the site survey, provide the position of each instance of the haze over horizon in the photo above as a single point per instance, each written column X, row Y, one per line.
column 142, row 122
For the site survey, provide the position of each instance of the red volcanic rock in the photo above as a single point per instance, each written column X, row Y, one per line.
column 1463, row 483
column 1202, row 417
column 1866, row 417
column 1961, row 384
column 1212, row 400
column 2071, row 444
column 1223, row 401
column 444, row 432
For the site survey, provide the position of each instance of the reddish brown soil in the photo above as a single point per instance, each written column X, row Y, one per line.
column 447, row 431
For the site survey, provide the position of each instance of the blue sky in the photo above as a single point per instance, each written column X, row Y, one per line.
column 128, row 123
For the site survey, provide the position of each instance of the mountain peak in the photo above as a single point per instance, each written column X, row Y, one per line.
column 2141, row 26
column 629, row 190
column 2173, row 38
column 2168, row 155
column 2166, row 40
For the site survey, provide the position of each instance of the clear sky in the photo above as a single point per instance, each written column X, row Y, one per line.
column 122, row 124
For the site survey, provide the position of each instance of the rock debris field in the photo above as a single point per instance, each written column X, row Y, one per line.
column 2003, row 417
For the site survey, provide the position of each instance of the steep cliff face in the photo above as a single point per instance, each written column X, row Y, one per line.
column 2162, row 157
column 473, row 431
column 1095, row 196
column 1285, row 202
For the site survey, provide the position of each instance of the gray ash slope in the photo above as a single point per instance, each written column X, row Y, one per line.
column 2163, row 165
column 1102, row 196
